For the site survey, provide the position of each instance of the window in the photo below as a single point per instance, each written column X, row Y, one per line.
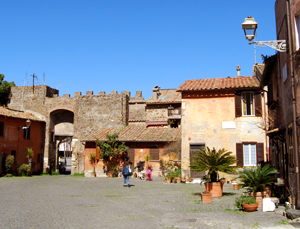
column 249, row 154
column 154, row 153
column 1, row 129
column 27, row 133
column 247, row 103
column 194, row 148
column 130, row 154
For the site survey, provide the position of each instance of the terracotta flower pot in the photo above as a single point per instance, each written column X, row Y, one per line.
column 110, row 174
column 250, row 207
column 235, row 186
column 206, row 197
column 215, row 188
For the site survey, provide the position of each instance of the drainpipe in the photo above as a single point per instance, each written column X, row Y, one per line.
column 295, row 141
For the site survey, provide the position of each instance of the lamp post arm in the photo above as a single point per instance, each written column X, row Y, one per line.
column 279, row 45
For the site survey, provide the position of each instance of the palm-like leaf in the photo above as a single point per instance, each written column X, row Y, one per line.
column 257, row 178
column 213, row 161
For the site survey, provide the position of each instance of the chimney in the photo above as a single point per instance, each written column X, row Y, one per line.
column 156, row 92
column 238, row 68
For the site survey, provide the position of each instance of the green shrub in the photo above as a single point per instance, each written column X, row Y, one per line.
column 9, row 162
column 24, row 170
column 54, row 173
column 243, row 199
column 44, row 173
column 9, row 175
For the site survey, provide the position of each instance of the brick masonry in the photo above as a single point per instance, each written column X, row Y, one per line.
column 90, row 112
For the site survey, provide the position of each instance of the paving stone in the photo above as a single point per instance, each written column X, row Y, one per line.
column 72, row 202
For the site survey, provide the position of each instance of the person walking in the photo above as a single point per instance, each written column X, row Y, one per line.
column 126, row 172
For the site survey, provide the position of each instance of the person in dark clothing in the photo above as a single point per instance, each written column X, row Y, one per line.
column 126, row 172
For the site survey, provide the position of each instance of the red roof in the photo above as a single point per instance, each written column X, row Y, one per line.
column 166, row 96
column 219, row 83
column 20, row 114
column 138, row 133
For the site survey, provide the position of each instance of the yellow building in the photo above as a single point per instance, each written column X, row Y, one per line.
column 223, row 113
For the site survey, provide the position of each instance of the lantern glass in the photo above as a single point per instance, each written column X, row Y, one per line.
column 249, row 27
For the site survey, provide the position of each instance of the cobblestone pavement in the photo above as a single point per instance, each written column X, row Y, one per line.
column 77, row 202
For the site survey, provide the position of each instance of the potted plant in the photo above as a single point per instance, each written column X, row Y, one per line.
column 257, row 179
column 111, row 151
column 206, row 197
column 9, row 162
column 93, row 160
column 213, row 161
column 248, row 203
column 29, row 155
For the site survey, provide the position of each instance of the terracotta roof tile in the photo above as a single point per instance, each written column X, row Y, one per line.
column 20, row 114
column 166, row 96
column 138, row 133
column 219, row 83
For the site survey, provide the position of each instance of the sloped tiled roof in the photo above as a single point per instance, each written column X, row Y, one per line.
column 19, row 114
column 219, row 83
column 137, row 133
column 166, row 96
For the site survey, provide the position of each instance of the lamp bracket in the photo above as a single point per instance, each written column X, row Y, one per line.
column 279, row 45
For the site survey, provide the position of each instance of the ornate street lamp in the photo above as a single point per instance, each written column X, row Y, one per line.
column 250, row 26
column 28, row 123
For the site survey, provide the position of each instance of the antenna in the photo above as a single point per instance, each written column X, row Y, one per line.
column 44, row 78
column 33, row 76
column 25, row 78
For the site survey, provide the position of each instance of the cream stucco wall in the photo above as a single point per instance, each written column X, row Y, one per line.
column 202, row 120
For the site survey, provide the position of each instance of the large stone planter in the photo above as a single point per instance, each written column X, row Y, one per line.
column 215, row 188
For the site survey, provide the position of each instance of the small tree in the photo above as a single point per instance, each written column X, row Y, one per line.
column 212, row 161
column 111, row 149
column 93, row 160
column 29, row 153
column 9, row 162
column 5, row 90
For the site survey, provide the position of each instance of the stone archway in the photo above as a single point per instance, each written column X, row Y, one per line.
column 61, row 134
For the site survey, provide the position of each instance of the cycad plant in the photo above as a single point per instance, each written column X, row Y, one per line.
column 212, row 161
column 256, row 179
column 93, row 160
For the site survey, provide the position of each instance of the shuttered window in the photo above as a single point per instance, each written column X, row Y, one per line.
column 154, row 153
column 249, row 154
column 248, row 104
column 130, row 154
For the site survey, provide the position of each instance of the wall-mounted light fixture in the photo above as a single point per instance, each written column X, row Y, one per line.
column 250, row 26
column 28, row 123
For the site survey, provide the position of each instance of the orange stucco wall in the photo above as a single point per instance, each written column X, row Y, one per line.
column 203, row 122
column 13, row 141
column 139, row 154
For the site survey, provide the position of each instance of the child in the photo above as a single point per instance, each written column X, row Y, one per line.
column 149, row 174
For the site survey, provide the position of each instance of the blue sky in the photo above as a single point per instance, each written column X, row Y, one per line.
column 127, row 45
